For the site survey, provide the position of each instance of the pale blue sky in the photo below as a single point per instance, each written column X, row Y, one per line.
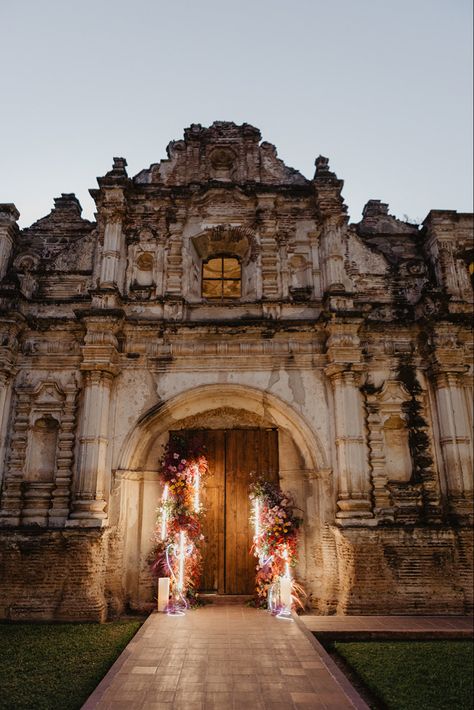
column 382, row 87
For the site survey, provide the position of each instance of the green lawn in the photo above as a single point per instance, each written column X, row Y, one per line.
column 56, row 666
column 414, row 675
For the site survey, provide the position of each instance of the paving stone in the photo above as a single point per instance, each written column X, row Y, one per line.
column 271, row 666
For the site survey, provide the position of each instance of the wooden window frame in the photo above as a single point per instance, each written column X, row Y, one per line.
column 221, row 298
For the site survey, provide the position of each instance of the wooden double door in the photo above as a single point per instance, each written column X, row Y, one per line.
column 233, row 454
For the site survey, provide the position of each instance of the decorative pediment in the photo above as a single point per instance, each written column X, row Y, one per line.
column 48, row 394
column 393, row 393
column 224, row 239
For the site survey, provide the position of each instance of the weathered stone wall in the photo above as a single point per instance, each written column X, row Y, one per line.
column 402, row 571
column 49, row 575
column 353, row 340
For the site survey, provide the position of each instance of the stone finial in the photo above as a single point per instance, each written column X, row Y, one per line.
column 328, row 190
column 322, row 165
column 118, row 169
column 375, row 208
column 68, row 201
column 8, row 212
column 119, row 164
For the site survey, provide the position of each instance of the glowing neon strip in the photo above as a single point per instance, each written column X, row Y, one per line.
column 164, row 513
column 196, row 491
column 257, row 524
column 182, row 538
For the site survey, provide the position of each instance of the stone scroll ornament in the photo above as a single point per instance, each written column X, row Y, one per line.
column 276, row 531
column 178, row 533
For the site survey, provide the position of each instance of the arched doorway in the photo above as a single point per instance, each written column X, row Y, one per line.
column 236, row 457
column 223, row 410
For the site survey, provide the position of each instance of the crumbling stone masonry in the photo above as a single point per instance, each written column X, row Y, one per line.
column 220, row 289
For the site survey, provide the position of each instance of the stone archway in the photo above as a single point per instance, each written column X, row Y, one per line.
column 137, row 490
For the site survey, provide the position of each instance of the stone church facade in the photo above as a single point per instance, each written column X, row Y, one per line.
column 221, row 290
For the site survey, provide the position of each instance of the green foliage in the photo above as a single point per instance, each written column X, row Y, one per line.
column 409, row 675
column 57, row 666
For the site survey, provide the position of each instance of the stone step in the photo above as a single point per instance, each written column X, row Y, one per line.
column 210, row 598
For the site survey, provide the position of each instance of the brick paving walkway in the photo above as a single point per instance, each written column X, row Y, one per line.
column 223, row 657
column 391, row 626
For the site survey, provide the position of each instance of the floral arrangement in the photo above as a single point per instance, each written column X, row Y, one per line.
column 183, row 469
column 276, row 525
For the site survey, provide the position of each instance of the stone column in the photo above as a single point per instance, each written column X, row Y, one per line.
column 8, row 230
column 9, row 330
column 332, row 213
column 344, row 371
column 99, row 366
column 90, row 498
column 455, row 439
column 5, row 402
column 12, row 489
column 316, row 271
column 354, row 500
column 111, row 270
column 332, row 246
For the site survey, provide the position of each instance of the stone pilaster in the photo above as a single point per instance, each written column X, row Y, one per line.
column 332, row 213
column 267, row 227
column 60, row 503
column 383, row 506
column 174, row 259
column 447, row 236
column 282, row 241
column 315, row 269
column 99, row 367
column 111, row 268
column 9, row 330
column 8, row 231
column 344, row 371
column 332, row 256
column 455, row 439
column 12, row 499
column 111, row 203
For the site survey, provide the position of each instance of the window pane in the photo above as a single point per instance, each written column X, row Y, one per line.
column 211, row 289
column 231, row 269
column 231, row 289
column 212, row 269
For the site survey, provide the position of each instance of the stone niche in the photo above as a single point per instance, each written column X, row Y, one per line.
column 41, row 455
column 398, row 463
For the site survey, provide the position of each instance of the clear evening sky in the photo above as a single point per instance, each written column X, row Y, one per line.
column 381, row 87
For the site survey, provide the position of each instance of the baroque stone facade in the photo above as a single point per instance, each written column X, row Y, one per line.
column 219, row 289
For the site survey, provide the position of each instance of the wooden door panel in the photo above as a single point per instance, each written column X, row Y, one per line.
column 212, row 498
column 247, row 451
column 240, row 457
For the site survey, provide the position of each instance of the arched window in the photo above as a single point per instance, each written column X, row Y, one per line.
column 221, row 277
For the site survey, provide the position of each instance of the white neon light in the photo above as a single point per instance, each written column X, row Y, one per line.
column 164, row 513
column 197, row 477
column 287, row 564
column 182, row 540
column 257, row 523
